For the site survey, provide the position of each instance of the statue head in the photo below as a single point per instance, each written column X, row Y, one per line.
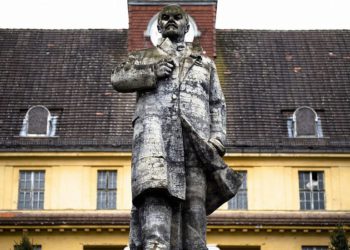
column 173, row 23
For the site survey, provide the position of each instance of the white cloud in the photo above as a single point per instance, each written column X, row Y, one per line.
column 283, row 14
column 63, row 14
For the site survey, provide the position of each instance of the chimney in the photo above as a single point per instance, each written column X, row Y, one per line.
column 142, row 14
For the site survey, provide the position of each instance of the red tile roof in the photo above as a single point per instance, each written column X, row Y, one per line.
column 265, row 76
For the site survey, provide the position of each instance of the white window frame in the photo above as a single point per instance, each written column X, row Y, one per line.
column 51, row 124
column 292, row 125
column 243, row 190
column 318, row 129
column 107, row 190
column 31, row 191
column 311, row 191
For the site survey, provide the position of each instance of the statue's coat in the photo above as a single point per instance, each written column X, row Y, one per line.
column 192, row 92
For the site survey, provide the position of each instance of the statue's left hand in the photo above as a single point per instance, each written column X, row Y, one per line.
column 219, row 147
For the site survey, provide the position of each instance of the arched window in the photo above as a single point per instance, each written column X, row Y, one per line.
column 152, row 30
column 305, row 123
column 39, row 122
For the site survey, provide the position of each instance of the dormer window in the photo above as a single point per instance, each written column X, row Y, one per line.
column 305, row 123
column 39, row 122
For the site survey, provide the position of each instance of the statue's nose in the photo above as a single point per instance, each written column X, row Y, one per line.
column 171, row 19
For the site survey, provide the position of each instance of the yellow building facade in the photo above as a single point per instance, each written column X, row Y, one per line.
column 66, row 135
column 272, row 221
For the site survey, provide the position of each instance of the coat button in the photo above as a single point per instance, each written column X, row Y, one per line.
column 174, row 97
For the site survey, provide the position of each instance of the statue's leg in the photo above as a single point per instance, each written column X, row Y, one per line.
column 155, row 218
column 135, row 240
column 176, row 230
column 194, row 215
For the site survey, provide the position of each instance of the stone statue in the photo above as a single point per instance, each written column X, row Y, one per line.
column 178, row 175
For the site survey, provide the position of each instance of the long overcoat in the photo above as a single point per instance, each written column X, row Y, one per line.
column 192, row 92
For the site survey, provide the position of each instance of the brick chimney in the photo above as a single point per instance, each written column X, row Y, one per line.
column 141, row 12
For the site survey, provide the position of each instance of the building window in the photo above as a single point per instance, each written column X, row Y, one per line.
column 240, row 201
column 305, row 123
column 311, row 190
column 107, row 189
column 315, row 248
column 39, row 122
column 31, row 189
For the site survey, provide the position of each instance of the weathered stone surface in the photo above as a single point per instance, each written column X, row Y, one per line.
column 178, row 175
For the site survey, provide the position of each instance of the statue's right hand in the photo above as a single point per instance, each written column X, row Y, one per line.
column 164, row 68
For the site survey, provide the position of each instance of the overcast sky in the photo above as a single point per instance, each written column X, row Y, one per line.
column 232, row 14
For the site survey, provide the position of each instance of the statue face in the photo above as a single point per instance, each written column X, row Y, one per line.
column 173, row 23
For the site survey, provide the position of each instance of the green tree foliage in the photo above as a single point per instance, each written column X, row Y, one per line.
column 24, row 244
column 339, row 240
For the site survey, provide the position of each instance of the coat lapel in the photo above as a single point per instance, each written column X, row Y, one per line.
column 167, row 47
column 192, row 57
column 188, row 63
column 185, row 67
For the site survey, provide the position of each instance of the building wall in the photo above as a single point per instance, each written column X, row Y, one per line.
column 77, row 240
column 70, row 179
column 72, row 240
column 273, row 179
column 267, row 241
column 71, row 184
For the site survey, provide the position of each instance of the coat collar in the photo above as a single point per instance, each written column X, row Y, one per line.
column 192, row 55
column 170, row 48
column 191, row 50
